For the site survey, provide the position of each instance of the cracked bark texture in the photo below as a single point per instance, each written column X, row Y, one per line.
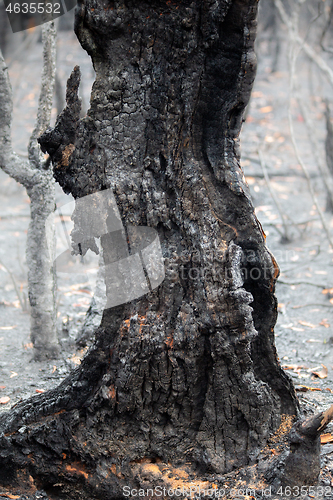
column 187, row 374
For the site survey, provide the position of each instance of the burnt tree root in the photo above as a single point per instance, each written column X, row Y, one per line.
column 33, row 458
column 299, row 463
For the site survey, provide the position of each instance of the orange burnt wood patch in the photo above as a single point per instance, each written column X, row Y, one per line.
column 77, row 468
column 326, row 438
column 116, row 472
column 139, row 320
column 112, row 392
column 66, row 154
column 168, row 475
column 169, row 341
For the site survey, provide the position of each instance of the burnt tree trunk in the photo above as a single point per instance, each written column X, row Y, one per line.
column 188, row 373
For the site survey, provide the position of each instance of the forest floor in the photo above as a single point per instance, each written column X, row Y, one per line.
column 304, row 330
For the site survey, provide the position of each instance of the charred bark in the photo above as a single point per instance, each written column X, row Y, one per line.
column 94, row 314
column 188, row 374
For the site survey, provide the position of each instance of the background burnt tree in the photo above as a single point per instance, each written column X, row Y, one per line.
column 188, row 373
column 36, row 176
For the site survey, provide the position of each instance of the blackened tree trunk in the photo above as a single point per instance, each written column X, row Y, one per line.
column 188, row 373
